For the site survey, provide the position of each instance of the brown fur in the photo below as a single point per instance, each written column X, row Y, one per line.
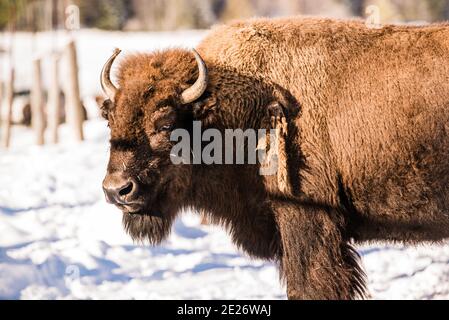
column 367, row 145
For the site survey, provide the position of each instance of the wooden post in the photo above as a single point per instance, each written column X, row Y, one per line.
column 73, row 101
column 54, row 99
column 6, row 103
column 7, row 110
column 1, row 96
column 37, row 102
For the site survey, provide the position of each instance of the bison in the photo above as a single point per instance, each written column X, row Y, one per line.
column 366, row 142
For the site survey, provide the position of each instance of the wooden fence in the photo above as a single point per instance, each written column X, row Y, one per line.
column 45, row 108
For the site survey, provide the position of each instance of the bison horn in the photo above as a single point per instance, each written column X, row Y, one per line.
column 106, row 84
column 197, row 89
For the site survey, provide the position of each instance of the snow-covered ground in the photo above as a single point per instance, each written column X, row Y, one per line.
column 60, row 240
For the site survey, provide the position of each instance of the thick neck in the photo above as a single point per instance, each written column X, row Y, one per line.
column 241, row 100
column 225, row 190
column 233, row 196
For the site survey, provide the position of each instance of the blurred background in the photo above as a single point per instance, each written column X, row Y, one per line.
column 169, row 15
column 58, row 237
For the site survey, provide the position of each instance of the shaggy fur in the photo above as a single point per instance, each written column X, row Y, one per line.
column 367, row 142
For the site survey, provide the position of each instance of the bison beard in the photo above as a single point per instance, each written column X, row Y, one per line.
column 154, row 221
column 142, row 227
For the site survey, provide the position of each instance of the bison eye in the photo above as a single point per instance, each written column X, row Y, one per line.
column 167, row 127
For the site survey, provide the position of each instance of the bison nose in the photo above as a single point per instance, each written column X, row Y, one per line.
column 119, row 190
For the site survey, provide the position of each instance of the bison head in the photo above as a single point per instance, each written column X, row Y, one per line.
column 152, row 98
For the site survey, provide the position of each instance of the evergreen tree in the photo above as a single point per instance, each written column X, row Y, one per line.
column 357, row 7
column 8, row 8
column 104, row 14
column 439, row 9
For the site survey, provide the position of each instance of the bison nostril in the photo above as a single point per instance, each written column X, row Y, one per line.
column 126, row 189
column 119, row 190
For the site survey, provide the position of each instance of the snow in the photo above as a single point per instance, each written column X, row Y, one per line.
column 60, row 240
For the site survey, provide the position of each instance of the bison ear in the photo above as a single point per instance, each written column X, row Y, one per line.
column 278, row 119
column 106, row 107
column 204, row 109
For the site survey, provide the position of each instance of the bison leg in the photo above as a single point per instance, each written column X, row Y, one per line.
column 316, row 262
